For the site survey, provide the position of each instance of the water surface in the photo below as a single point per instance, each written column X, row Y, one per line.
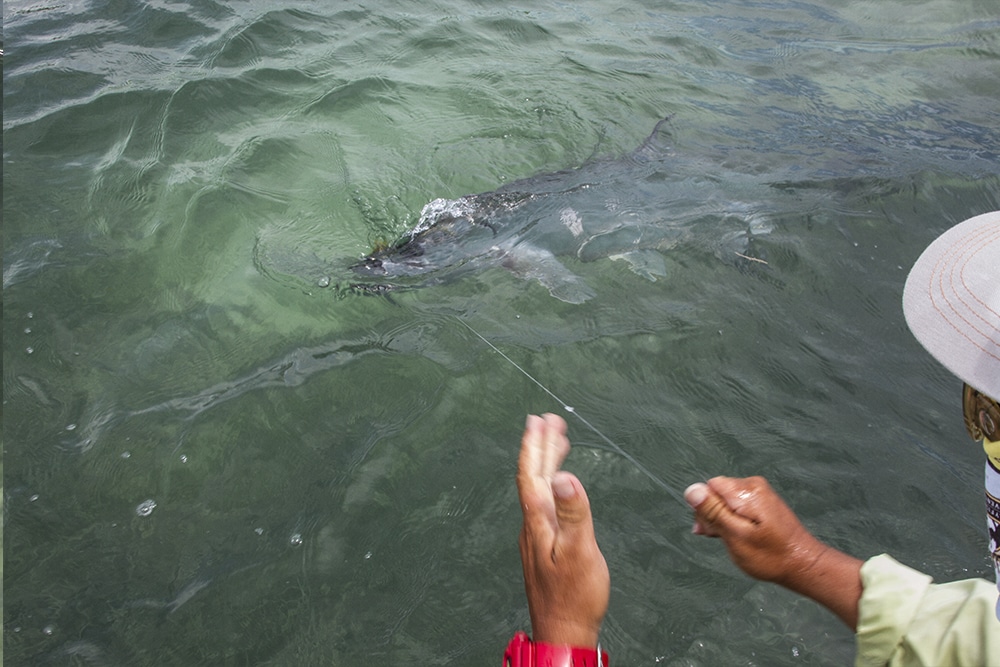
column 211, row 458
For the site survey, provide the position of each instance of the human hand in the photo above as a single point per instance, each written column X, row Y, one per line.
column 763, row 536
column 767, row 541
column 565, row 575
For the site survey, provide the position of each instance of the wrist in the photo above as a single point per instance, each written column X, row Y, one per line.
column 800, row 562
column 522, row 652
column 831, row 578
column 558, row 631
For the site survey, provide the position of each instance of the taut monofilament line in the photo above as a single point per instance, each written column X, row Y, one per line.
column 570, row 409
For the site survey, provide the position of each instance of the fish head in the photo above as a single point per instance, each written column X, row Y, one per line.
column 403, row 259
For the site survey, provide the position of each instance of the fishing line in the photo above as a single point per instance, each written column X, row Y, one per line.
column 570, row 409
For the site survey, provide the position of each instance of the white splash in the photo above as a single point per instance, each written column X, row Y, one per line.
column 571, row 219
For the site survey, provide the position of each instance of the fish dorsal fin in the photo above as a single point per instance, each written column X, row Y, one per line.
column 656, row 144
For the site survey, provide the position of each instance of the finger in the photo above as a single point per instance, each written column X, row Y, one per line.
column 555, row 444
column 741, row 494
column 530, row 460
column 534, row 491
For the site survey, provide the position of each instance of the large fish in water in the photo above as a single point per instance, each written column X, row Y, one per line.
column 631, row 208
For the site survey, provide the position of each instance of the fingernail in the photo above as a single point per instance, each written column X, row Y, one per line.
column 695, row 494
column 562, row 487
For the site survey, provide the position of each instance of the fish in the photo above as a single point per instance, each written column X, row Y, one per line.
column 632, row 208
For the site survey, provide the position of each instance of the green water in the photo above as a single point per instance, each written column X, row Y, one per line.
column 332, row 472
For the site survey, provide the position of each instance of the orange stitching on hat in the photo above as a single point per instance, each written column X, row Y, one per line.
column 937, row 276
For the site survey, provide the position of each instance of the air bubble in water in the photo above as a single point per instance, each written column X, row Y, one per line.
column 324, row 282
column 146, row 507
column 296, row 540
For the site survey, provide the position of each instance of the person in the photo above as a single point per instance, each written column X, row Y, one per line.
column 952, row 304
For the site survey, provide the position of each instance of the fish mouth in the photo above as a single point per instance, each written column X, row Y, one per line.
column 404, row 259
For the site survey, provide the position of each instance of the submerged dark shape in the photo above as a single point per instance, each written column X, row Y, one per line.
column 441, row 221
column 631, row 208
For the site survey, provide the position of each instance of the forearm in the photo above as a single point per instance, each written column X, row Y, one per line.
column 830, row 577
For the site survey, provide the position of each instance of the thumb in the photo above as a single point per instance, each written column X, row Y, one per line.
column 572, row 504
column 713, row 516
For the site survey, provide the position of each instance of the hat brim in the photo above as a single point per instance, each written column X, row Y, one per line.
column 952, row 301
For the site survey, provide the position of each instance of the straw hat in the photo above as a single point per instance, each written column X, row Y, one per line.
column 952, row 301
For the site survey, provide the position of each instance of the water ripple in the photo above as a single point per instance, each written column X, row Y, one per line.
column 182, row 178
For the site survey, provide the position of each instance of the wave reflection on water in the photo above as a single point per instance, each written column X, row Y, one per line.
column 329, row 472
